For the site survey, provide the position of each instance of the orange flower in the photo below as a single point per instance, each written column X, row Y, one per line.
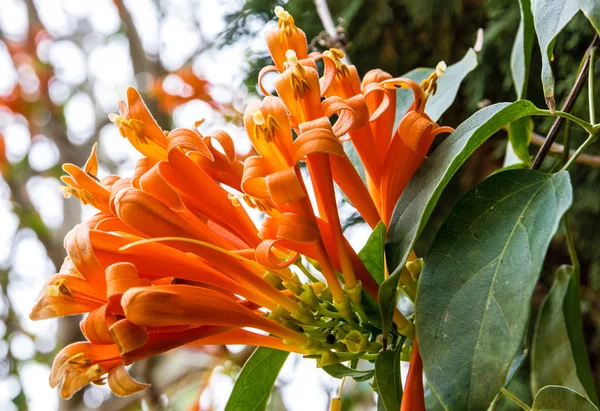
column 173, row 258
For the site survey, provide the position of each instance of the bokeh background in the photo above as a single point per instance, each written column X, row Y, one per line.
column 65, row 64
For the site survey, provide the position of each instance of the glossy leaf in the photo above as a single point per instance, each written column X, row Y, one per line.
column 389, row 378
column 591, row 9
column 372, row 253
column 255, row 383
column 554, row 398
column 549, row 18
column 519, row 136
column 420, row 196
column 552, row 360
column 520, row 58
column 341, row 371
column 474, row 293
column 388, row 298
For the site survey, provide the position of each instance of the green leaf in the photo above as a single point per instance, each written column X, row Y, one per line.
column 388, row 297
column 519, row 136
column 388, row 378
column 574, row 323
column 520, row 58
column 549, row 18
column 474, row 293
column 555, row 398
column 254, row 384
column 420, row 196
column 447, row 87
column 520, row 387
column 341, row 371
column 591, row 9
column 372, row 253
column 552, row 360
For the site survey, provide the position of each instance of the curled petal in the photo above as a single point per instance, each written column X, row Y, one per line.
column 329, row 71
column 284, row 187
column 412, row 128
column 297, row 228
column 317, row 137
column 346, row 115
column 80, row 250
column 120, row 277
column 128, row 336
column 95, row 326
column 267, row 257
column 122, row 384
column 253, row 180
column 154, row 184
column 226, row 143
column 187, row 141
column 262, row 73
column 383, row 98
column 141, row 166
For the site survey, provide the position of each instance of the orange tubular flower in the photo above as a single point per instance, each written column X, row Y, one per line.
column 172, row 257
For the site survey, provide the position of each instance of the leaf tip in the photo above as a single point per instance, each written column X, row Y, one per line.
column 551, row 103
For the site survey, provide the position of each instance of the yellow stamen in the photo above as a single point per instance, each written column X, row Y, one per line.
column 78, row 359
column 94, row 371
column 266, row 129
column 337, row 56
column 299, row 85
column 85, row 196
column 131, row 128
column 59, row 287
column 429, row 85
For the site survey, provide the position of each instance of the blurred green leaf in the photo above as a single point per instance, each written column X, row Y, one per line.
column 474, row 292
column 519, row 136
column 422, row 193
column 520, row 58
column 549, row 18
column 341, row 371
column 255, row 383
column 553, row 398
column 552, row 360
column 591, row 9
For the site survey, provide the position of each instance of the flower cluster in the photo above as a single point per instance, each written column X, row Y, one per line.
column 172, row 256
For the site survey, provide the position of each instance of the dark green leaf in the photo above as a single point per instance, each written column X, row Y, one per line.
column 254, row 384
column 341, row 371
column 519, row 136
column 372, row 253
column 388, row 297
column 552, row 360
column 423, row 191
column 520, row 58
column 573, row 320
column 474, row 292
column 555, row 398
column 591, row 9
column 549, row 18
column 371, row 309
column 388, row 378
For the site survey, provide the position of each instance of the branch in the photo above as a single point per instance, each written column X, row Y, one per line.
column 327, row 21
column 567, row 106
column 587, row 159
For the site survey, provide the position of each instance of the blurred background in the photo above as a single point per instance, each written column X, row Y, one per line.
column 65, row 64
